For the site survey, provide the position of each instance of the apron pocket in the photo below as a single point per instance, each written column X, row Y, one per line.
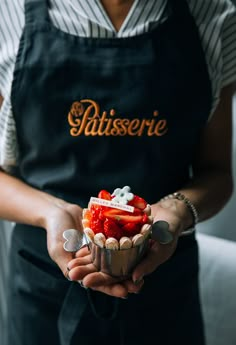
column 33, row 275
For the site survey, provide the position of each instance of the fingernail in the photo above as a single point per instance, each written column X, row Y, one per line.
column 67, row 275
column 82, row 285
column 138, row 281
column 126, row 297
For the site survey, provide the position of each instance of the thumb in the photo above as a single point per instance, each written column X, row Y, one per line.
column 61, row 257
column 63, row 260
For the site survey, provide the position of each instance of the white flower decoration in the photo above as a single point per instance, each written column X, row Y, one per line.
column 122, row 195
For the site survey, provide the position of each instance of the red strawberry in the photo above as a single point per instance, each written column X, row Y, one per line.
column 104, row 194
column 138, row 202
column 111, row 229
column 145, row 219
column 96, row 225
column 137, row 211
column 123, row 217
column 115, row 211
column 131, row 229
column 97, row 211
column 111, row 212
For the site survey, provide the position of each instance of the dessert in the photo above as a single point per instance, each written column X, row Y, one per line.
column 117, row 226
column 120, row 220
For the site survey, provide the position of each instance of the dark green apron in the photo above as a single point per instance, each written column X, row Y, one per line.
column 97, row 114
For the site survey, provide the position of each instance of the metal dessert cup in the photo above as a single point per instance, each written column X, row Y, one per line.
column 118, row 263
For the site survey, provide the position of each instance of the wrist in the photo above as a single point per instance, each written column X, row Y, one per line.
column 64, row 215
column 189, row 209
column 176, row 213
column 54, row 209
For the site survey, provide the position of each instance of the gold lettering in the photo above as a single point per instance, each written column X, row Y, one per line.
column 103, row 123
column 74, row 123
column 161, row 128
column 155, row 113
column 112, row 112
column 108, row 127
column 133, row 128
column 76, row 110
column 119, row 128
column 141, row 129
column 84, row 119
column 151, row 124
column 91, row 127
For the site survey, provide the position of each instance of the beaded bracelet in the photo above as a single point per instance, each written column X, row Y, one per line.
column 191, row 207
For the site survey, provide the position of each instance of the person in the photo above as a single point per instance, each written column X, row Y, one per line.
column 98, row 95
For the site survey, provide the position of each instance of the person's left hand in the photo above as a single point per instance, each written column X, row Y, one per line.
column 159, row 253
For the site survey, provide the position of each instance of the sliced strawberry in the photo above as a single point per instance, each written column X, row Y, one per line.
column 111, row 229
column 138, row 202
column 111, row 212
column 96, row 225
column 97, row 211
column 122, row 218
column 104, row 194
column 137, row 211
column 131, row 229
column 145, row 219
column 115, row 211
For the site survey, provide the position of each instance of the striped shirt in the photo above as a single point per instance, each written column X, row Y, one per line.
column 215, row 19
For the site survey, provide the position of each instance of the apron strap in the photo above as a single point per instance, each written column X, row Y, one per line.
column 75, row 303
column 36, row 11
column 73, row 308
column 98, row 312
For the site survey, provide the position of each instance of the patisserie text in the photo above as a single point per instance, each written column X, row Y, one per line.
column 86, row 119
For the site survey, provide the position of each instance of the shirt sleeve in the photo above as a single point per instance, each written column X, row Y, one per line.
column 8, row 138
column 229, row 49
column 11, row 24
column 216, row 21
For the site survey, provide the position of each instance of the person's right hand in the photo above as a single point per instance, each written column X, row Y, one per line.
column 68, row 216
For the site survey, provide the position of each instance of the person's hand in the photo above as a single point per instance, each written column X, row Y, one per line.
column 66, row 216
column 176, row 214
column 82, row 269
